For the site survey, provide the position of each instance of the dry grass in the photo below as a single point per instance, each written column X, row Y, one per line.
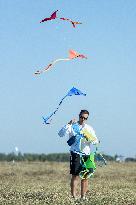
column 48, row 183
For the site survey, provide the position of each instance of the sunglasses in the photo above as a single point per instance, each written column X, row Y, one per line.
column 83, row 118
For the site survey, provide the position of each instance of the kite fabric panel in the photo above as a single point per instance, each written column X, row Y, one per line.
column 52, row 17
column 72, row 91
column 88, row 135
column 72, row 55
column 89, row 166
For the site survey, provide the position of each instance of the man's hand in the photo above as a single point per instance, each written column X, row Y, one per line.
column 72, row 121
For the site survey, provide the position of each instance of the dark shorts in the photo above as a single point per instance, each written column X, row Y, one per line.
column 76, row 163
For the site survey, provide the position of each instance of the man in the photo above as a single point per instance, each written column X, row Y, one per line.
column 79, row 147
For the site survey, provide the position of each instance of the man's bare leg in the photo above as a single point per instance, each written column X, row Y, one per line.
column 74, row 183
column 84, row 187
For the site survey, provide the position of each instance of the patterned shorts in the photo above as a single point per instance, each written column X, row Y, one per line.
column 75, row 163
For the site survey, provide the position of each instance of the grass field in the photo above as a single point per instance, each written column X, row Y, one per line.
column 40, row 183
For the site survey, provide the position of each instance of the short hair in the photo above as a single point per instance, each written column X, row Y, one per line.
column 83, row 112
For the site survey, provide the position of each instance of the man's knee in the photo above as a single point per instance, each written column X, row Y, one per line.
column 75, row 177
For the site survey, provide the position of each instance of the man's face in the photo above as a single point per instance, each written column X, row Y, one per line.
column 82, row 118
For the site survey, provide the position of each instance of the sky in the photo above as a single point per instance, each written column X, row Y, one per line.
column 107, row 36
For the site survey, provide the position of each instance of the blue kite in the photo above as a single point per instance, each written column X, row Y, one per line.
column 73, row 91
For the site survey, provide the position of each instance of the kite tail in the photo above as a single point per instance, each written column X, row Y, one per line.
column 62, row 99
column 45, row 121
column 53, row 113
column 73, row 24
column 50, row 65
column 73, row 91
column 65, row 19
column 38, row 72
column 54, row 62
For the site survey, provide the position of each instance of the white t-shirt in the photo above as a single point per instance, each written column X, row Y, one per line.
column 81, row 145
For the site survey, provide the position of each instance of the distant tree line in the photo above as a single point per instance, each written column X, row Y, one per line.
column 58, row 157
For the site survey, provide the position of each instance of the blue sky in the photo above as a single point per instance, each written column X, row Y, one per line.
column 106, row 36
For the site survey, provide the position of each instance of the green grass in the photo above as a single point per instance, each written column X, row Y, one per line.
column 40, row 183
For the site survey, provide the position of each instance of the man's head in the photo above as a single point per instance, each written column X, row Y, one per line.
column 83, row 116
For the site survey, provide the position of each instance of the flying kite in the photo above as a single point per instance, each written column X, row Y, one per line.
column 72, row 91
column 52, row 17
column 72, row 55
